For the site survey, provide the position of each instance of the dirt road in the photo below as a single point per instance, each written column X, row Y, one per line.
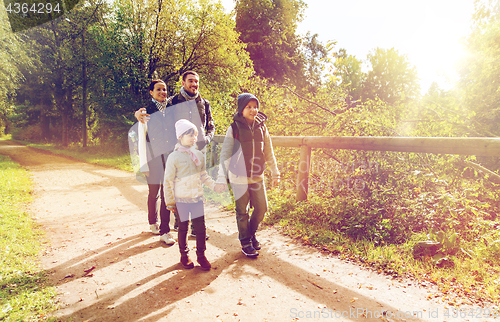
column 96, row 222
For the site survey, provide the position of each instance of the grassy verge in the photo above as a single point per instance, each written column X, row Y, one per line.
column 6, row 137
column 96, row 155
column 24, row 294
column 469, row 275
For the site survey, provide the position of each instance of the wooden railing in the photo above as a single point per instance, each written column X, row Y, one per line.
column 461, row 146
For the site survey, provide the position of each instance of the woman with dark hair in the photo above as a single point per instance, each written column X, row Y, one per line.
column 153, row 166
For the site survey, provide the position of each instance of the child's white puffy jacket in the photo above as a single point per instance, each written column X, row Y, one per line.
column 184, row 180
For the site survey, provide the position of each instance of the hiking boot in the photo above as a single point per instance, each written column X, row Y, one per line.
column 255, row 243
column 167, row 239
column 250, row 251
column 204, row 263
column 186, row 262
column 155, row 229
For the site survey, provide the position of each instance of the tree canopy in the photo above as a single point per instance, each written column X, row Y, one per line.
column 391, row 77
column 278, row 53
column 102, row 56
column 480, row 74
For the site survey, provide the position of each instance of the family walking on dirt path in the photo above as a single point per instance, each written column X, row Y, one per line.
column 106, row 267
column 172, row 139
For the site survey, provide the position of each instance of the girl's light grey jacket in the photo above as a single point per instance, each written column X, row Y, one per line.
column 183, row 179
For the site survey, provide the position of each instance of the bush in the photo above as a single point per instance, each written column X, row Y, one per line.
column 32, row 133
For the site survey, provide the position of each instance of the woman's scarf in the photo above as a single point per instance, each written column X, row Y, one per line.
column 160, row 105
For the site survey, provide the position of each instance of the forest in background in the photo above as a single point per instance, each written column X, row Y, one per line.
column 77, row 80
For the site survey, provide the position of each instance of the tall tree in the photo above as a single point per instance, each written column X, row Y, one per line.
column 392, row 78
column 350, row 76
column 201, row 38
column 268, row 27
column 57, row 73
column 12, row 58
column 480, row 74
column 315, row 58
column 163, row 39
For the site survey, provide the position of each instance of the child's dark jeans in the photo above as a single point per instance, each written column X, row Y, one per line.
column 197, row 212
column 248, row 224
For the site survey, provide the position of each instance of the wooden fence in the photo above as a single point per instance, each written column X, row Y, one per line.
column 461, row 146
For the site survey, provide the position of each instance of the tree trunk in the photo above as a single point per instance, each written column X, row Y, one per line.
column 84, row 94
column 44, row 125
column 61, row 106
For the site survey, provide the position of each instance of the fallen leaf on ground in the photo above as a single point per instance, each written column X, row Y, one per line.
column 87, row 271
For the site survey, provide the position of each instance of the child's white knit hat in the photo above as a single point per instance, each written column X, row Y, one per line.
column 182, row 126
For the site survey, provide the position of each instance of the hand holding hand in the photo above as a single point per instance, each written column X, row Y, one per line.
column 220, row 187
column 146, row 173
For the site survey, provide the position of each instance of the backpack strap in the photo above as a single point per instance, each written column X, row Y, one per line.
column 236, row 133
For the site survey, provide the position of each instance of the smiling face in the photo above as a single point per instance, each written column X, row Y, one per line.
column 159, row 92
column 191, row 84
column 189, row 138
column 250, row 111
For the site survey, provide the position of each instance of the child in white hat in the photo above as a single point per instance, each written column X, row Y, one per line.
column 185, row 174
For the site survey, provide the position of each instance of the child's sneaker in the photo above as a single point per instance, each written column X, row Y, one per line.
column 250, row 251
column 204, row 263
column 255, row 243
column 167, row 238
column 186, row 262
column 155, row 228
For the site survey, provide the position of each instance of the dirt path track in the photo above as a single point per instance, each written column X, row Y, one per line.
column 95, row 219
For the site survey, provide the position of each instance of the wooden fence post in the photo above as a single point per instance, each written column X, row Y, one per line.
column 213, row 145
column 303, row 173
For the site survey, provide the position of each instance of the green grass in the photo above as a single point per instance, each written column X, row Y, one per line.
column 92, row 154
column 24, row 293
